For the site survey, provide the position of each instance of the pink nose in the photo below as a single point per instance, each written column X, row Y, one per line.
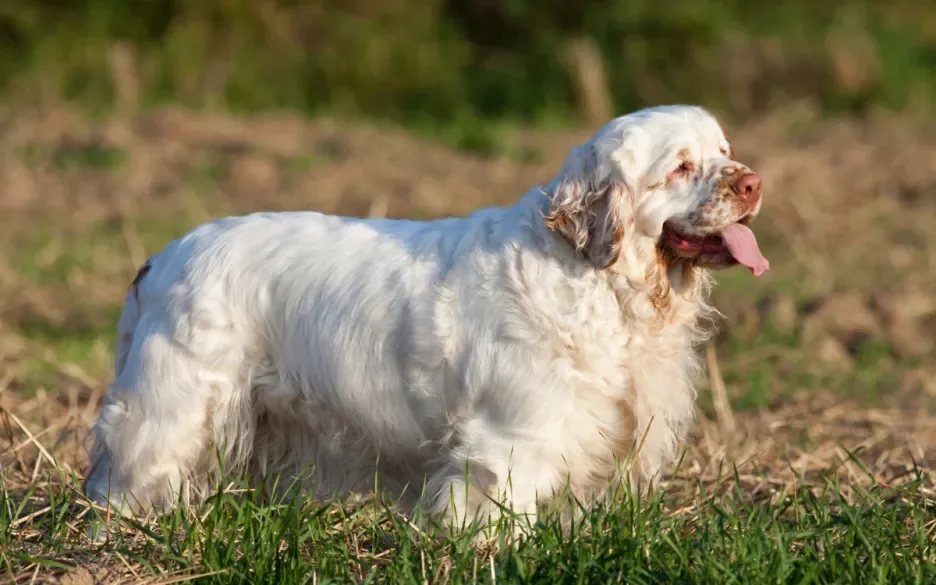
column 748, row 186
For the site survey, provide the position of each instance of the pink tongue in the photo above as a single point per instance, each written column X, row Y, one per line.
column 742, row 245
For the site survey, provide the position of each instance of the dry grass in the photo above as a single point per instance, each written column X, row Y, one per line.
column 825, row 365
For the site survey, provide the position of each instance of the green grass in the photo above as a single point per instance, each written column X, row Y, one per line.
column 52, row 254
column 767, row 363
column 806, row 536
column 784, row 367
column 80, row 326
column 456, row 67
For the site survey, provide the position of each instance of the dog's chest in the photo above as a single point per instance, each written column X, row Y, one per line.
column 616, row 387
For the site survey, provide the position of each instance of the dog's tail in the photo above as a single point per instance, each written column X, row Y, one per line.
column 130, row 316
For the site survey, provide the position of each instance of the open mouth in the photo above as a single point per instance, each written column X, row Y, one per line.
column 733, row 244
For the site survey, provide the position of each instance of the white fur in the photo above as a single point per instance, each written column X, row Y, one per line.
column 519, row 350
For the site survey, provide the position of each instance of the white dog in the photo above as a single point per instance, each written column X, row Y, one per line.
column 505, row 356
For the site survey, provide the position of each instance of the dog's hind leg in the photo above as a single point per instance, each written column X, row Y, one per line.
column 175, row 405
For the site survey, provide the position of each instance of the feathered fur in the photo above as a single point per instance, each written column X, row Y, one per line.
column 519, row 350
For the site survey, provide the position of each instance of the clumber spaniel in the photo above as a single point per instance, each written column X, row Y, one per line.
column 504, row 356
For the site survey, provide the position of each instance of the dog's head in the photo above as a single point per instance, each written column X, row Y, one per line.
column 668, row 174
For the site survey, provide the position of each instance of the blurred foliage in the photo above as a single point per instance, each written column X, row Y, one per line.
column 432, row 62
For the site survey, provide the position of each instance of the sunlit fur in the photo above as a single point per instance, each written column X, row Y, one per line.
column 520, row 350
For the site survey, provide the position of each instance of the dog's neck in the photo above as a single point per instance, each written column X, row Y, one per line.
column 654, row 289
column 665, row 293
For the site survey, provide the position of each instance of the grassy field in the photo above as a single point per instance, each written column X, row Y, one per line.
column 445, row 67
column 882, row 535
column 817, row 470
column 812, row 455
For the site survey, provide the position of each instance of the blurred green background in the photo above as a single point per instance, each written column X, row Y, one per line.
column 429, row 64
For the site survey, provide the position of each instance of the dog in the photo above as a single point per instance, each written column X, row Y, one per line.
column 470, row 365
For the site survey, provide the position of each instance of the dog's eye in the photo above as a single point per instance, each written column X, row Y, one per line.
column 684, row 168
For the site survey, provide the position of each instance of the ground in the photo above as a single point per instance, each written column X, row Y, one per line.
column 816, row 426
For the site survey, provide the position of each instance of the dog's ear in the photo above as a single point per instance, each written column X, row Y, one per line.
column 585, row 205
